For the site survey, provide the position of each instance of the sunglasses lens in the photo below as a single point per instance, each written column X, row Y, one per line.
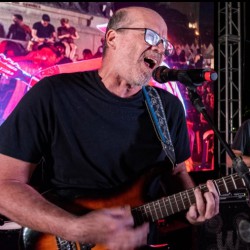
column 151, row 37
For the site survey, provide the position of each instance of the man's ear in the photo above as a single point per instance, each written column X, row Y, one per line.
column 111, row 38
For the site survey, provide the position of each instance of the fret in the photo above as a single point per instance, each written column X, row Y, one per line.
column 243, row 182
column 166, row 208
column 162, row 215
column 154, row 210
column 176, row 202
column 157, row 208
column 217, row 187
column 239, row 181
column 225, row 184
column 190, row 203
column 184, row 200
column 163, row 208
column 235, row 187
column 180, row 201
column 193, row 196
column 230, row 183
column 148, row 212
column 170, row 205
column 221, row 186
column 173, row 203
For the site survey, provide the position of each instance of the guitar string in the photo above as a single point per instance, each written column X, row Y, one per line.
column 187, row 196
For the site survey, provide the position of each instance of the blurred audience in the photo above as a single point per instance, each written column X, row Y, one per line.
column 19, row 30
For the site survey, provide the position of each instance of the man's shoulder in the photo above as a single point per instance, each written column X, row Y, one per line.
column 73, row 76
column 246, row 125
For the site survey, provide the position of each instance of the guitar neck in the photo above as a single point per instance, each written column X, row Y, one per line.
column 170, row 205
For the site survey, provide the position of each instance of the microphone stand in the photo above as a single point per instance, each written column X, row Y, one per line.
column 238, row 164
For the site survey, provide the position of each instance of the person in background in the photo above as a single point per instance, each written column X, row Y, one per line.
column 61, row 57
column 198, row 59
column 86, row 54
column 93, row 132
column 99, row 49
column 241, row 143
column 12, row 48
column 43, row 32
column 190, row 58
column 178, row 59
column 19, row 30
column 67, row 35
column 2, row 31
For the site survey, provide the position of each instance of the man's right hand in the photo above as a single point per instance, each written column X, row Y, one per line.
column 113, row 228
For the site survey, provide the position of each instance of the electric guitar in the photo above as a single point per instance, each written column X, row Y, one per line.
column 132, row 195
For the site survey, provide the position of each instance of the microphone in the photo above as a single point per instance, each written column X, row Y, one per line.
column 189, row 77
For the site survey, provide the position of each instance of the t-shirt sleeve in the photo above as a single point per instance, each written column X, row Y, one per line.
column 24, row 134
column 241, row 140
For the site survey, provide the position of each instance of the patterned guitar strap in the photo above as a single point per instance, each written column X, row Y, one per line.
column 158, row 118
column 157, row 114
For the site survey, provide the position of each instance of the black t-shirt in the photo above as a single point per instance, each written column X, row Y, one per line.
column 16, row 32
column 43, row 31
column 89, row 137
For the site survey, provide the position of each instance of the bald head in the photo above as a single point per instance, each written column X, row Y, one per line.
column 134, row 15
column 137, row 17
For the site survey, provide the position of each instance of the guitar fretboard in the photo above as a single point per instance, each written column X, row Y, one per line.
column 170, row 205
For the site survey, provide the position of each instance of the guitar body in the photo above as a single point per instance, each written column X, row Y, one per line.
column 132, row 194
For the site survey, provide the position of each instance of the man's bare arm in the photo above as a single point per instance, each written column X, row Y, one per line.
column 113, row 227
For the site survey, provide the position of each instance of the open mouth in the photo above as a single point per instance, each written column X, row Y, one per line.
column 150, row 62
